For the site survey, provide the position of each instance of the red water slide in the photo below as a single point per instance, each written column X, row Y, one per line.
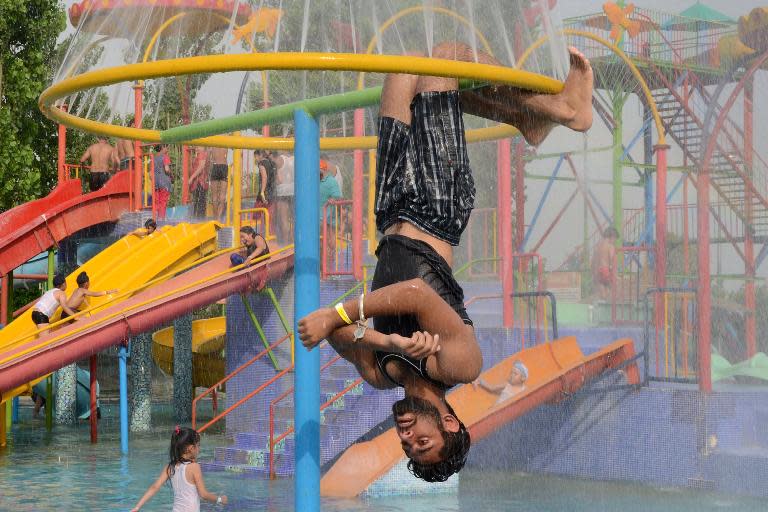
column 34, row 227
column 201, row 286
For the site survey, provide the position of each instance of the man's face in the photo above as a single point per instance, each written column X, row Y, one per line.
column 420, row 429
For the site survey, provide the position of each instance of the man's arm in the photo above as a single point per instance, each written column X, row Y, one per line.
column 90, row 293
column 263, row 183
column 115, row 159
column 198, row 170
column 86, row 156
column 62, row 298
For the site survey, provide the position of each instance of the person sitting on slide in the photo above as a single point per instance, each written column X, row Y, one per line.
column 254, row 245
column 423, row 339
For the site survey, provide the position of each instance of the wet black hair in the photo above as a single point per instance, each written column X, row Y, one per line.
column 181, row 438
column 453, row 455
column 59, row 280
column 82, row 278
column 150, row 224
column 249, row 230
column 610, row 232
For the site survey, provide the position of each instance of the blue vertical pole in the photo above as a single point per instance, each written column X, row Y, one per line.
column 15, row 410
column 123, row 362
column 306, row 395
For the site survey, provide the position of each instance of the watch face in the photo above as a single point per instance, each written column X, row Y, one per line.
column 359, row 332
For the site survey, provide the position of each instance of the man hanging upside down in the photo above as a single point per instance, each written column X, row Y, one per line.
column 422, row 338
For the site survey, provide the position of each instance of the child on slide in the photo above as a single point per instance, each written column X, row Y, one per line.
column 515, row 383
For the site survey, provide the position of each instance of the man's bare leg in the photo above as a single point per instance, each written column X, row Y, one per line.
column 534, row 114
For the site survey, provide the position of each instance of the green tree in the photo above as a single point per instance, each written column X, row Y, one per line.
column 28, row 149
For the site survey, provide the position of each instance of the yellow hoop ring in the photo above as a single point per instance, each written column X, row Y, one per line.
column 282, row 61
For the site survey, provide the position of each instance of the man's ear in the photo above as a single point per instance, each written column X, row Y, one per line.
column 450, row 423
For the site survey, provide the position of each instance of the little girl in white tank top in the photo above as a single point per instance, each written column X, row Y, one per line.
column 184, row 473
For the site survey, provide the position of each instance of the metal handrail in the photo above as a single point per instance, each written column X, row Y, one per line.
column 337, row 205
column 280, row 397
column 276, row 377
column 227, row 378
column 646, row 353
column 327, row 404
column 267, row 234
column 541, row 293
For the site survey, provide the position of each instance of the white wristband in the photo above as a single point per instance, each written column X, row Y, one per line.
column 218, row 500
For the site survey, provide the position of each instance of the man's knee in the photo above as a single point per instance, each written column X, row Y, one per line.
column 453, row 50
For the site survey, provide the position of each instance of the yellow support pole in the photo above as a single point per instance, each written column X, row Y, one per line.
column 237, row 175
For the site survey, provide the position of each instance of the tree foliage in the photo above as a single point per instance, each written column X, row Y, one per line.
column 28, row 32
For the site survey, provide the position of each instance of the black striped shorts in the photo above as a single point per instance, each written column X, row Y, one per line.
column 423, row 174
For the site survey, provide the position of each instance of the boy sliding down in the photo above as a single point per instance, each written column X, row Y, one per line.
column 423, row 339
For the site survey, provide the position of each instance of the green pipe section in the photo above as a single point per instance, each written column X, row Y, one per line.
column 51, row 267
column 257, row 325
column 282, row 113
column 273, row 115
column 271, row 294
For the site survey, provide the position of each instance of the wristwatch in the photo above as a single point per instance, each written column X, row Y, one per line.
column 362, row 325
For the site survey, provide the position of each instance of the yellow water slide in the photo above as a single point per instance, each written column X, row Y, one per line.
column 208, row 341
column 126, row 265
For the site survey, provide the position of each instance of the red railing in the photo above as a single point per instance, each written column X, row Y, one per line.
column 336, row 231
column 629, row 282
column 247, row 397
column 481, row 237
column 274, row 441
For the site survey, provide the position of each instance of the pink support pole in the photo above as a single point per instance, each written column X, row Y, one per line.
column 504, row 166
column 184, row 174
column 61, row 169
column 357, row 201
column 661, row 215
column 704, row 291
column 750, row 327
column 520, row 195
column 138, row 92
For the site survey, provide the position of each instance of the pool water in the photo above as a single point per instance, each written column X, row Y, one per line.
column 62, row 471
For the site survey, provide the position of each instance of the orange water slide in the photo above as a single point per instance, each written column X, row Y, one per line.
column 555, row 370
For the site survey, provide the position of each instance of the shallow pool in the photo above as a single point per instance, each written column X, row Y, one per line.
column 64, row 472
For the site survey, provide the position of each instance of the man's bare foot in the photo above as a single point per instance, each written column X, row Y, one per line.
column 577, row 93
column 317, row 326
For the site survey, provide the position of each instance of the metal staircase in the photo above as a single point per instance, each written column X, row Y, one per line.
column 684, row 105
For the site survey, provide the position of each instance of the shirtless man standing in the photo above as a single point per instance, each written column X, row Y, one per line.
column 422, row 338
column 604, row 263
column 125, row 151
column 218, row 181
column 102, row 157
